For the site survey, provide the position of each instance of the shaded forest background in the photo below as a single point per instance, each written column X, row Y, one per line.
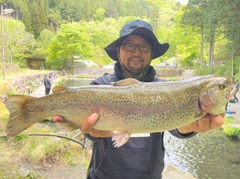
column 201, row 34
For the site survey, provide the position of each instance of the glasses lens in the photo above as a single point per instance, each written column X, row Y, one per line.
column 132, row 47
column 144, row 47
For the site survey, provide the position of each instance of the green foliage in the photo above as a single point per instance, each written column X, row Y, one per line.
column 42, row 44
column 215, row 20
column 232, row 131
column 230, row 120
column 229, row 127
column 237, row 76
column 41, row 149
column 204, row 71
column 31, row 175
column 100, row 14
column 17, row 42
column 102, row 33
column 61, row 81
column 12, row 92
column 71, row 40
column 188, row 61
column 38, row 17
column 20, row 137
column 197, row 32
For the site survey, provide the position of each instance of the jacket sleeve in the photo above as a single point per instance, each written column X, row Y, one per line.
column 93, row 139
column 177, row 134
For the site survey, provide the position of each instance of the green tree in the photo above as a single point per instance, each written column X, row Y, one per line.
column 194, row 17
column 100, row 14
column 230, row 17
column 185, row 42
column 17, row 42
column 71, row 40
column 42, row 44
column 38, row 16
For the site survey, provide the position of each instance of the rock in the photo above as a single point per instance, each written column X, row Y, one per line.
column 23, row 172
column 234, row 159
column 170, row 172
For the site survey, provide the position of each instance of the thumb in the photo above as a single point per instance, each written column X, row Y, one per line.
column 88, row 124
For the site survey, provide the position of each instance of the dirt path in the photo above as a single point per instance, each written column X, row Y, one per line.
column 187, row 74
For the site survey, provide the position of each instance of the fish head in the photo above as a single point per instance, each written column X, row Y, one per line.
column 215, row 94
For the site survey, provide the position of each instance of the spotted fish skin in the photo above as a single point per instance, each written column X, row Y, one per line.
column 128, row 105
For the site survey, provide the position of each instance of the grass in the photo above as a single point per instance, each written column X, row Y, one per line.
column 230, row 129
column 38, row 149
column 24, row 72
column 44, row 149
column 229, row 120
column 3, row 112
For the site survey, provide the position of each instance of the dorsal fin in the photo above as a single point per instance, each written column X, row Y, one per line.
column 126, row 82
column 57, row 89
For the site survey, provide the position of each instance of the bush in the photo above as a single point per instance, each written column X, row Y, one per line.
column 204, row 71
column 232, row 131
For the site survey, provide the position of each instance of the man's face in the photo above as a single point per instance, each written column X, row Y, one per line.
column 135, row 61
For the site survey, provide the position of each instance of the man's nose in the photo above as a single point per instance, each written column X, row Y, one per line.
column 137, row 50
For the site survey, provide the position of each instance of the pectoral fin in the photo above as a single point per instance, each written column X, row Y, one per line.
column 120, row 138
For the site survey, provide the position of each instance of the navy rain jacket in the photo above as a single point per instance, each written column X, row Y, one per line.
column 140, row 158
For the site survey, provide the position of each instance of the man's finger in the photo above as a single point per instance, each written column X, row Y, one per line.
column 216, row 121
column 204, row 123
column 88, row 124
column 57, row 119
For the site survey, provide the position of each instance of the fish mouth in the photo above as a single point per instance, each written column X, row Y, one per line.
column 231, row 93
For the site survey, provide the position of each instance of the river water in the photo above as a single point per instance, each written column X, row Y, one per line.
column 211, row 155
column 77, row 82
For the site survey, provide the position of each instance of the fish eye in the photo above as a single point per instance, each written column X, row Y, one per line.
column 222, row 86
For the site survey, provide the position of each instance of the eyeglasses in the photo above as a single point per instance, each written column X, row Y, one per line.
column 141, row 47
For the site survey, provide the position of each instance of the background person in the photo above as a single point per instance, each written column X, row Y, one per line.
column 47, row 84
column 236, row 84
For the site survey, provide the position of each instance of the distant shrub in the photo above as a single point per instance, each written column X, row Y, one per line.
column 232, row 131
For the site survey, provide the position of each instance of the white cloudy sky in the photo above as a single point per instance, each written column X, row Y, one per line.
column 182, row 1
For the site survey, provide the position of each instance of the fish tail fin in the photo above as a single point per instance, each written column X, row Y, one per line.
column 17, row 123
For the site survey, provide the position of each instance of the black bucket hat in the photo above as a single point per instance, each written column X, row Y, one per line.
column 143, row 29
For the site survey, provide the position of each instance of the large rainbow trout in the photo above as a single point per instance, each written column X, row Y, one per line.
column 127, row 106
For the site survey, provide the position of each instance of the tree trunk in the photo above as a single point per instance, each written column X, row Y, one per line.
column 211, row 55
column 202, row 47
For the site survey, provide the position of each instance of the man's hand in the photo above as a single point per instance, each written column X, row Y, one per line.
column 87, row 126
column 206, row 123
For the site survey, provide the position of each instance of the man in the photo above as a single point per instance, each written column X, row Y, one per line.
column 141, row 157
column 47, row 84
